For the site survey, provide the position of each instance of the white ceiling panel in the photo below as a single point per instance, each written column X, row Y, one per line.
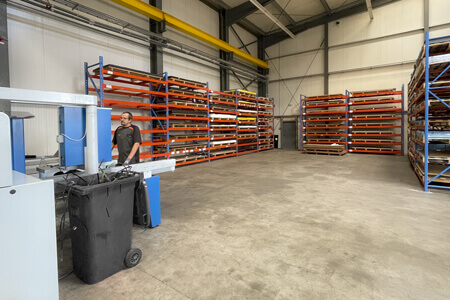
column 264, row 23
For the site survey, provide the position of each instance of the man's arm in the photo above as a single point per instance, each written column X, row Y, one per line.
column 133, row 151
column 114, row 140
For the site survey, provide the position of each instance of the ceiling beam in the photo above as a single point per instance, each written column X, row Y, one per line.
column 283, row 11
column 272, row 17
column 219, row 5
column 186, row 28
column 369, row 9
column 346, row 11
column 241, row 11
column 326, row 6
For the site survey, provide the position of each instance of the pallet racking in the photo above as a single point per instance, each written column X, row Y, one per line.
column 188, row 107
column 375, row 121
column 323, row 120
column 265, row 123
column 247, row 117
column 223, row 125
column 143, row 94
column 429, row 114
column 181, row 118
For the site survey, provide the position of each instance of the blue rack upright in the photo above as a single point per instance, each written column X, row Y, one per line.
column 429, row 114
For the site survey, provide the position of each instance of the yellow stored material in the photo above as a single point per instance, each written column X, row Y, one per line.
column 159, row 15
column 244, row 91
column 246, row 119
column 246, row 102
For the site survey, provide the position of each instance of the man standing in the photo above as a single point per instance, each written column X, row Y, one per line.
column 128, row 138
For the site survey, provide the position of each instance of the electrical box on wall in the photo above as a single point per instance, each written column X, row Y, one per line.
column 72, row 138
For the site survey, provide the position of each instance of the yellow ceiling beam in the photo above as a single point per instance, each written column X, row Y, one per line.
column 159, row 15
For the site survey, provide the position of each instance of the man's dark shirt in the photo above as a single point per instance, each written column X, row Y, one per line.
column 125, row 138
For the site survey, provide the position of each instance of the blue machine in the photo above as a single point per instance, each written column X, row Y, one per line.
column 18, row 140
column 154, row 201
column 72, row 127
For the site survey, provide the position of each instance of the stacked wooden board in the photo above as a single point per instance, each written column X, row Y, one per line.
column 223, row 125
column 376, row 122
column 324, row 149
column 323, row 120
column 247, row 116
column 429, row 114
column 265, row 123
column 188, row 107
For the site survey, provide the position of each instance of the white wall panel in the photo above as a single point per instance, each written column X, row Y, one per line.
column 382, row 78
column 379, row 52
column 445, row 31
column 393, row 18
column 439, row 12
column 301, row 65
column 304, row 41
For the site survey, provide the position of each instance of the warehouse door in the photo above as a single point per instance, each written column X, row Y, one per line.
column 288, row 135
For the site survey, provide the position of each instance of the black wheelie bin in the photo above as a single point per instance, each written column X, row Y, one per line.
column 101, row 221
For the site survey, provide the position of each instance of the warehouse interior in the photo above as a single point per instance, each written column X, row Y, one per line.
column 290, row 149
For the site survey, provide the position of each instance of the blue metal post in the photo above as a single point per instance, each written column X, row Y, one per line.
column 152, row 100
column 209, row 125
column 427, row 90
column 101, row 80
column 86, row 79
column 18, row 146
column 237, row 123
column 403, row 119
column 347, row 121
column 257, row 123
column 302, row 104
column 167, row 113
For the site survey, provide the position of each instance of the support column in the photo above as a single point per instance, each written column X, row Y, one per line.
column 224, row 36
column 326, row 78
column 156, row 52
column 426, row 17
column 5, row 106
column 263, row 87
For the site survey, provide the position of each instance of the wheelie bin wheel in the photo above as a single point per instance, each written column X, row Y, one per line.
column 133, row 257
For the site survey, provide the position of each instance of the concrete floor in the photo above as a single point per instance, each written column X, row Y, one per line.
column 285, row 225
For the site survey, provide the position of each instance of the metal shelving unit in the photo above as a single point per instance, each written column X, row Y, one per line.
column 188, row 108
column 181, row 118
column 376, row 121
column 429, row 114
column 143, row 94
column 223, row 125
column 323, row 120
column 247, row 117
column 265, row 123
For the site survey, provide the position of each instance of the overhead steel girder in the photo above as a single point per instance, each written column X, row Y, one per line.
column 283, row 12
column 219, row 5
column 326, row 6
column 241, row 11
column 347, row 10
column 159, row 15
